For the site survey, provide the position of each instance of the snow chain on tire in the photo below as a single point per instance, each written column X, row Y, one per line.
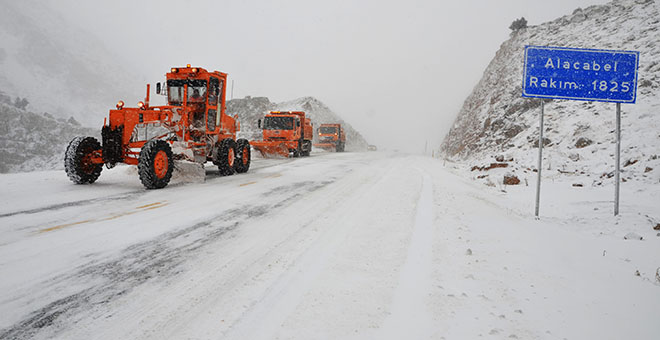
column 243, row 156
column 155, row 164
column 77, row 165
column 225, row 156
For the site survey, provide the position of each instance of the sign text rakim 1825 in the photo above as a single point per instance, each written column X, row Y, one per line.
column 580, row 74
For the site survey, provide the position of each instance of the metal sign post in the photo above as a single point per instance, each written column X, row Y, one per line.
column 540, row 163
column 618, row 159
column 581, row 74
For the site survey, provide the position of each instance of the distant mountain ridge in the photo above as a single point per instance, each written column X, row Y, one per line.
column 496, row 122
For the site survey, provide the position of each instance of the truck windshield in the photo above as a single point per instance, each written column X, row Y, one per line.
column 278, row 123
column 175, row 91
column 328, row 129
column 196, row 90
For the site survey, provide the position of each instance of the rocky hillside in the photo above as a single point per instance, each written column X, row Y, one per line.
column 251, row 109
column 32, row 142
column 497, row 124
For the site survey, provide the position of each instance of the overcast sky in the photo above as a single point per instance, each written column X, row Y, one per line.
column 398, row 71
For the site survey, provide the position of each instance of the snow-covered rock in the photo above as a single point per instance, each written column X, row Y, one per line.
column 33, row 142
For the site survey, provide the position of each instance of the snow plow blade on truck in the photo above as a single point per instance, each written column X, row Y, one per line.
column 270, row 149
column 285, row 133
column 193, row 126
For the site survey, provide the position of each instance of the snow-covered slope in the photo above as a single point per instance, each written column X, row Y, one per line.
column 496, row 121
column 60, row 68
column 251, row 109
column 30, row 142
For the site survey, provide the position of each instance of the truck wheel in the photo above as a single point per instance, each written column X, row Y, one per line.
column 155, row 164
column 307, row 148
column 243, row 156
column 225, row 156
column 299, row 149
column 77, row 160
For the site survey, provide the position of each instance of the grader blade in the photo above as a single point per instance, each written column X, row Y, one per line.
column 187, row 171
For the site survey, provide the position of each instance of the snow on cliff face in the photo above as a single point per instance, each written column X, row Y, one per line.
column 251, row 109
column 61, row 69
column 579, row 136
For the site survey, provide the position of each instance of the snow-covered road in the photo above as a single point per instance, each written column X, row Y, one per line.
column 334, row 246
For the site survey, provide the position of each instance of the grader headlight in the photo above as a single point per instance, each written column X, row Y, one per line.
column 120, row 105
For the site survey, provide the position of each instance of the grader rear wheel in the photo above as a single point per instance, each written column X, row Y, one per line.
column 243, row 156
column 225, row 156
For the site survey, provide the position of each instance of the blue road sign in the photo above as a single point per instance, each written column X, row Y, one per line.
column 580, row 74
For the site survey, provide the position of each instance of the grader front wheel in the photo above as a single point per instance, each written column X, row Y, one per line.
column 155, row 164
column 78, row 162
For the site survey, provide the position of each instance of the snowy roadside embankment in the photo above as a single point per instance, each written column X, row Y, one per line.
column 571, row 274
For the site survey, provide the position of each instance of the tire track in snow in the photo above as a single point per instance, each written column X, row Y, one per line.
column 211, row 174
column 283, row 296
column 160, row 258
column 410, row 317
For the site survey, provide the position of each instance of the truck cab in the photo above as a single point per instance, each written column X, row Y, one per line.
column 285, row 132
column 331, row 137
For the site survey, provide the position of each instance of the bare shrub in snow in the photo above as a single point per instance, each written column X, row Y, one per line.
column 518, row 24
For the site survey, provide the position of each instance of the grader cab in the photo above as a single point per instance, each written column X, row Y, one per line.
column 193, row 126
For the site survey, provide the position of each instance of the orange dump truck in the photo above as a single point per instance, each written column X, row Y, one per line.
column 193, row 126
column 284, row 133
column 331, row 137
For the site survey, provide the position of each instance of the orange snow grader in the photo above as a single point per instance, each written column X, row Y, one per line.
column 284, row 133
column 193, row 126
column 331, row 137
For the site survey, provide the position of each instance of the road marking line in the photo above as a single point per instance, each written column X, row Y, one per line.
column 63, row 226
column 248, row 183
column 156, row 207
column 146, row 207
